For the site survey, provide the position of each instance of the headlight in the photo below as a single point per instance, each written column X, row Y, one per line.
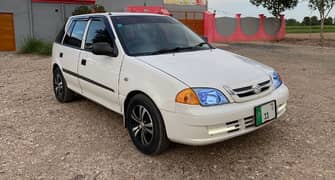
column 277, row 82
column 201, row 96
column 209, row 96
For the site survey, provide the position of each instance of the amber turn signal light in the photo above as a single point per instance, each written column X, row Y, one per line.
column 187, row 96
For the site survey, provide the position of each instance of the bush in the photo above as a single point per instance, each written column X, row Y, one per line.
column 35, row 46
column 81, row 10
column 98, row 8
column 88, row 10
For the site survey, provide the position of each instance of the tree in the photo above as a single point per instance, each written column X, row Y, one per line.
column 324, row 7
column 329, row 21
column 81, row 10
column 292, row 22
column 275, row 6
column 98, row 8
column 88, row 10
column 314, row 21
column 306, row 21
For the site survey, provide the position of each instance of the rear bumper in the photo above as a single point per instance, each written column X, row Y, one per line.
column 196, row 125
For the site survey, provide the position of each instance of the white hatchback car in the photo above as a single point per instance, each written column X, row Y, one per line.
column 167, row 82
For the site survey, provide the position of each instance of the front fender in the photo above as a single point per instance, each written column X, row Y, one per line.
column 162, row 88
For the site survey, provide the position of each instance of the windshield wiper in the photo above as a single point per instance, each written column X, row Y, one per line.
column 172, row 50
column 178, row 49
column 202, row 44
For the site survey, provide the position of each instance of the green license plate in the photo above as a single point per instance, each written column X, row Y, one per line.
column 265, row 113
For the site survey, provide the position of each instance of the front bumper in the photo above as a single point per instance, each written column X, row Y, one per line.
column 196, row 125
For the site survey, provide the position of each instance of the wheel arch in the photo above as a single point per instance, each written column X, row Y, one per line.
column 55, row 66
column 129, row 96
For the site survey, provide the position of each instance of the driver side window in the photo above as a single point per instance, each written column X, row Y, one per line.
column 97, row 32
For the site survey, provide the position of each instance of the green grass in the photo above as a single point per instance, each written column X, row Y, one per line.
column 35, row 46
column 309, row 29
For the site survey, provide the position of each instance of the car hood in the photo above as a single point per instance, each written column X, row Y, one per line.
column 210, row 68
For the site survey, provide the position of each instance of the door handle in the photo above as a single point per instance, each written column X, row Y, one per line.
column 61, row 54
column 83, row 62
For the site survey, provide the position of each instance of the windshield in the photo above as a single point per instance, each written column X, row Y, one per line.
column 149, row 35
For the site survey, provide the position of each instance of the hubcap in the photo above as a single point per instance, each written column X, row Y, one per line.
column 58, row 85
column 141, row 124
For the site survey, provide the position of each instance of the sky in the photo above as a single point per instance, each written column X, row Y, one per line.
column 231, row 7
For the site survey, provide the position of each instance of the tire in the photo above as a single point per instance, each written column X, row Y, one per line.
column 147, row 131
column 62, row 93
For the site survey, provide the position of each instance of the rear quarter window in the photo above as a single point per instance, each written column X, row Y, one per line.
column 75, row 33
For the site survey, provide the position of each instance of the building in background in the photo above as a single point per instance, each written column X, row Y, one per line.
column 42, row 19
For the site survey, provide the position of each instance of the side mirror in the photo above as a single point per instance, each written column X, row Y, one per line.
column 205, row 38
column 104, row 48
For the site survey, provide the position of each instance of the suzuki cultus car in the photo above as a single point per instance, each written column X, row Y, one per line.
column 169, row 84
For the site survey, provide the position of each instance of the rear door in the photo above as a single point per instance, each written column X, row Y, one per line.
column 70, row 52
column 100, row 73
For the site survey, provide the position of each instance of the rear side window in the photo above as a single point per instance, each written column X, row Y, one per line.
column 75, row 33
column 97, row 32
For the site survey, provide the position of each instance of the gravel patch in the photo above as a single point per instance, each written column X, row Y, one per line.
column 43, row 139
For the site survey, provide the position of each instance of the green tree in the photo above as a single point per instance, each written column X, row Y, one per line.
column 314, row 21
column 324, row 7
column 306, row 21
column 329, row 21
column 87, row 10
column 292, row 22
column 98, row 8
column 275, row 7
column 81, row 10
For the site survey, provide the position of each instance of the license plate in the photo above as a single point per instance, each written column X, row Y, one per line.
column 265, row 112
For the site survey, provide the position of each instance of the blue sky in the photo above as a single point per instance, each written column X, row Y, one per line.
column 231, row 7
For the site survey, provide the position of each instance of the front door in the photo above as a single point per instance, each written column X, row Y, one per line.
column 100, row 73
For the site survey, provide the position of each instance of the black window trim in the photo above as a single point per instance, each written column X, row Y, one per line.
column 110, row 31
column 88, row 19
column 73, row 21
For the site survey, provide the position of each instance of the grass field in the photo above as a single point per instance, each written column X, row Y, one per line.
column 309, row 29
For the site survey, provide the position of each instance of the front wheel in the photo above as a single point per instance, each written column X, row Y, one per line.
column 145, row 125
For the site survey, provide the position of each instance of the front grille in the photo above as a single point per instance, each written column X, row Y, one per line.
column 249, row 122
column 235, row 124
column 252, row 90
column 232, row 126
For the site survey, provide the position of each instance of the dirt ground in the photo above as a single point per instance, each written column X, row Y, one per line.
column 311, row 39
column 43, row 139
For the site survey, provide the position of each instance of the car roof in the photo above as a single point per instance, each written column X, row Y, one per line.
column 116, row 14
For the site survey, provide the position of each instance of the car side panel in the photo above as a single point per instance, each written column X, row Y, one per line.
column 103, row 72
column 160, row 87
column 67, row 58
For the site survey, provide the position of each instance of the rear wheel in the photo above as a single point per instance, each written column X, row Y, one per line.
column 61, row 91
column 145, row 125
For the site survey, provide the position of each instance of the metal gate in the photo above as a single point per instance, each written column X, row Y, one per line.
column 7, row 35
column 193, row 19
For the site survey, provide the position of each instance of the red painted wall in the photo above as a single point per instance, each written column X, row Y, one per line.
column 66, row 1
column 148, row 9
column 214, row 36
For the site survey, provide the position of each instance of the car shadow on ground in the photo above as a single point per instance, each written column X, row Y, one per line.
column 251, row 142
